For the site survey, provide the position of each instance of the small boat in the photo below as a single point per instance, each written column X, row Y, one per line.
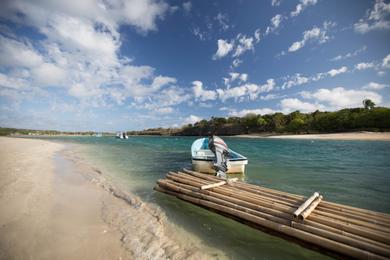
column 122, row 135
column 203, row 158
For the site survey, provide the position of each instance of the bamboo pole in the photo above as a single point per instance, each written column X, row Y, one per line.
column 306, row 212
column 347, row 211
column 350, row 228
column 173, row 187
column 226, row 192
column 344, row 233
column 234, row 189
column 354, row 221
column 325, row 220
column 342, row 239
column 305, row 204
column 307, row 237
column 326, row 204
column 238, row 201
column 289, row 208
column 332, row 235
column 359, row 215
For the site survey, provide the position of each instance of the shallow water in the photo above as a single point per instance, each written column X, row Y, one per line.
column 355, row 173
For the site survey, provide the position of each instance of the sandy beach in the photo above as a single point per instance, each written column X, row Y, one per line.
column 364, row 136
column 54, row 206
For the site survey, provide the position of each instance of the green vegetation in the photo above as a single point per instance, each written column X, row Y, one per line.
column 15, row 131
column 370, row 118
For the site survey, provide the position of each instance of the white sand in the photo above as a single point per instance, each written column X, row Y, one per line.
column 54, row 206
column 44, row 215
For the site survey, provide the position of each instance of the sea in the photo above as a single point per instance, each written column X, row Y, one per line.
column 355, row 173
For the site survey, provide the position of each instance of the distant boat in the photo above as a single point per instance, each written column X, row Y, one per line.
column 98, row 135
column 203, row 158
column 122, row 135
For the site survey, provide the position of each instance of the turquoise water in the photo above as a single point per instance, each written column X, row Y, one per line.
column 355, row 173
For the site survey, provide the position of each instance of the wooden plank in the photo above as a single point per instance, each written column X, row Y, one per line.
column 212, row 185
column 217, row 184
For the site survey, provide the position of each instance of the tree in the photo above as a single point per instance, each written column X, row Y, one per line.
column 296, row 125
column 368, row 104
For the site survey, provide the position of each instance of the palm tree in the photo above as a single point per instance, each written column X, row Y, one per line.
column 368, row 104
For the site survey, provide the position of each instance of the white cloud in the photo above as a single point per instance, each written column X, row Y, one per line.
column 81, row 49
column 257, row 35
column 235, row 76
column 334, row 72
column 244, row 112
column 275, row 23
column 364, row 65
column 15, row 53
column 161, row 81
column 187, row 6
column 276, row 2
column 142, row 14
column 244, row 77
column 224, row 48
column 164, row 110
column 192, row 119
column 302, row 6
column 48, row 74
column 374, row 86
column 12, row 82
column 386, row 62
column 295, row 80
column 316, row 34
column 289, row 105
column 199, row 34
column 248, row 90
column 236, row 63
column 299, row 79
column 349, row 54
column 234, row 92
column 376, row 18
column 244, row 44
column 223, row 21
column 338, row 98
column 202, row 94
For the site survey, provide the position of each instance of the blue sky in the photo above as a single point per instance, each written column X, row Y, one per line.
column 108, row 65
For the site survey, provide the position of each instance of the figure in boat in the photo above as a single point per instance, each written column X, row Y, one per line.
column 221, row 154
column 212, row 155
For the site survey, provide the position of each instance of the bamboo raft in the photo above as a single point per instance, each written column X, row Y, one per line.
column 336, row 228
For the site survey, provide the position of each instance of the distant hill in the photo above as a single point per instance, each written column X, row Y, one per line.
column 345, row 120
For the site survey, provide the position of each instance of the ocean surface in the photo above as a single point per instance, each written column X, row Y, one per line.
column 355, row 173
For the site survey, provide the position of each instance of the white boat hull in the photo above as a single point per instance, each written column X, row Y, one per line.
column 204, row 166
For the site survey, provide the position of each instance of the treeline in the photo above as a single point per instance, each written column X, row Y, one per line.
column 345, row 120
column 15, row 131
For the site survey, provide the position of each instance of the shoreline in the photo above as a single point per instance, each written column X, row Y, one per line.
column 348, row 136
column 53, row 204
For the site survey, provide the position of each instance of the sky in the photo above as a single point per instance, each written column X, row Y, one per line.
column 114, row 65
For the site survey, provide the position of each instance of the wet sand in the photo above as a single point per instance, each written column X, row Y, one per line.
column 363, row 136
column 55, row 206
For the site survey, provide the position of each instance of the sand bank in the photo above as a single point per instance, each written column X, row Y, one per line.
column 367, row 136
column 55, row 206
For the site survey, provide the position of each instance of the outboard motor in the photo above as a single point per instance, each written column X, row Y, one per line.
column 221, row 152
